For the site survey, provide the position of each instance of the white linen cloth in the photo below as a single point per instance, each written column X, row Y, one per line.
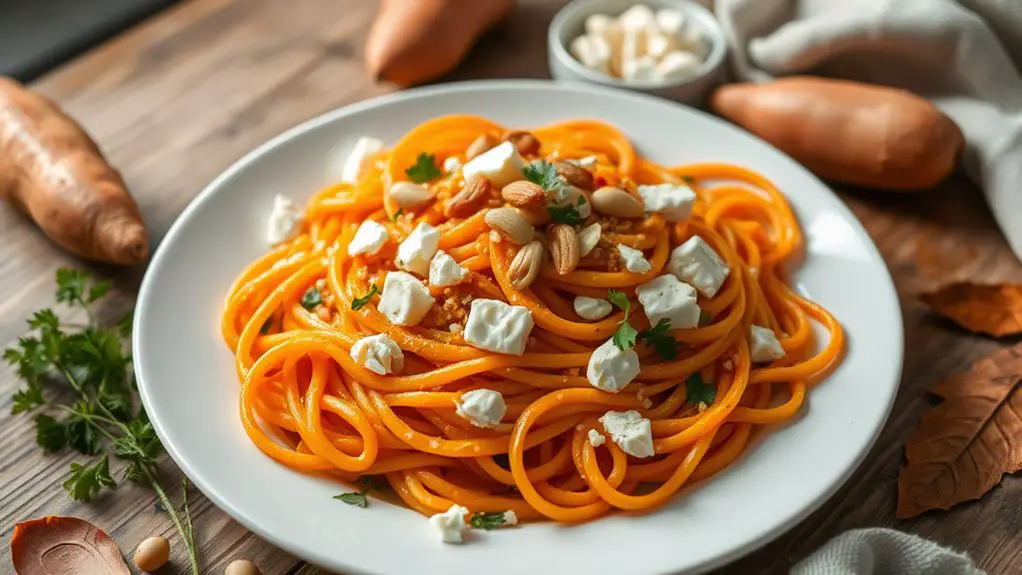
column 965, row 56
column 878, row 551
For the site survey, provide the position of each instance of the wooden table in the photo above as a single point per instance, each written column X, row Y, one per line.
column 180, row 97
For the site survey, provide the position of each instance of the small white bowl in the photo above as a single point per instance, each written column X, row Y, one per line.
column 569, row 23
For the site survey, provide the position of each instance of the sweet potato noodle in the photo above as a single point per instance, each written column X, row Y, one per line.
column 307, row 404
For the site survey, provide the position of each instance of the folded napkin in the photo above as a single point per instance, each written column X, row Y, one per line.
column 884, row 552
column 963, row 55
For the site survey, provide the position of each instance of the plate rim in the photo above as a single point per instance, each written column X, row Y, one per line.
column 255, row 154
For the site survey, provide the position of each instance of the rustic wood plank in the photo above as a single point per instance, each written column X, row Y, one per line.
column 180, row 97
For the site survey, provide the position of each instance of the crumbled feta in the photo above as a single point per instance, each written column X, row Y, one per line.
column 658, row 44
column 673, row 202
column 670, row 21
column 451, row 523
column 369, row 238
column 501, row 165
column 640, row 69
column 696, row 263
column 588, row 237
column 415, row 253
column 637, row 17
column 633, row 259
column 611, row 368
column 596, row 438
column 498, row 327
column 764, row 346
column 665, row 297
column 451, row 164
column 568, row 195
column 593, row 52
column 510, row 518
column 601, row 25
column 405, row 301
column 632, row 432
column 455, row 328
column 285, row 220
column 444, row 271
column 591, row 308
column 481, row 407
column 359, row 159
column 379, row 354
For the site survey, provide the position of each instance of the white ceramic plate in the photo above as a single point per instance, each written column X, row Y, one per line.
column 189, row 387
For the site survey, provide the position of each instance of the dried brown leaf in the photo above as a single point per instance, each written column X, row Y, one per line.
column 993, row 309
column 964, row 446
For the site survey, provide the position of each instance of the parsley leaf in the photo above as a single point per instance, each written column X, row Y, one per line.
column 44, row 319
column 28, row 398
column 124, row 324
column 397, row 215
column 98, row 290
column 71, row 285
column 566, row 214
column 312, row 298
column 705, row 318
column 354, row 498
column 50, row 434
column 688, row 179
column 141, row 447
column 360, row 302
column 82, row 433
column 88, row 480
column 624, row 337
column 487, row 520
column 424, row 169
column 698, row 392
column 662, row 342
column 543, row 174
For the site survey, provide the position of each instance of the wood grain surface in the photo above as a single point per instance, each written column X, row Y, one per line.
column 183, row 95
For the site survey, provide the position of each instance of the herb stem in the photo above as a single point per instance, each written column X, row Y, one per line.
column 186, row 535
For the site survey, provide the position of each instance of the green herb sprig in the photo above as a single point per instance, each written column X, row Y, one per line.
column 662, row 342
column 358, row 498
column 424, row 169
column 699, row 392
column 544, row 174
column 91, row 362
column 625, row 336
column 488, row 520
column 360, row 302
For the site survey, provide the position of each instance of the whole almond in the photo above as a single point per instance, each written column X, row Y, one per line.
column 524, row 268
column 511, row 225
column 408, row 195
column 523, row 194
column 564, row 248
column 616, row 202
column 480, row 145
column 536, row 216
column 588, row 237
column 575, row 175
column 469, row 199
column 526, row 143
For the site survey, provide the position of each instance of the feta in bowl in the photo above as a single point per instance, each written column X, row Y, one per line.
column 675, row 49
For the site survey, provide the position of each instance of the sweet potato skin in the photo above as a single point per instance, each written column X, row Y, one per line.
column 54, row 172
column 850, row 132
column 414, row 41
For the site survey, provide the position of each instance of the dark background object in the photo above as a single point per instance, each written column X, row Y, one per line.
column 37, row 35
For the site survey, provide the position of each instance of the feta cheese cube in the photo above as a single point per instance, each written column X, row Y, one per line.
column 451, row 523
column 667, row 298
column 594, row 52
column 678, row 65
column 415, row 253
column 588, row 237
column 611, row 368
column 764, row 347
column 359, row 160
column 285, row 221
column 591, row 308
column 501, row 165
column 641, row 69
column 692, row 40
column 601, row 25
column 369, row 238
column 674, row 202
column 637, row 17
column 379, row 354
column 451, row 164
column 568, row 195
column 498, row 327
column 481, row 407
column 596, row 438
column 405, row 300
column 444, row 271
column 697, row 264
column 658, row 44
column 670, row 22
column 633, row 259
column 632, row 432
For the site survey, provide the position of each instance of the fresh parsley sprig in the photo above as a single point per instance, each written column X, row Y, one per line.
column 91, row 362
column 624, row 337
column 699, row 392
column 311, row 298
column 544, row 174
column 360, row 302
column 424, row 169
column 662, row 342
column 488, row 520
column 358, row 498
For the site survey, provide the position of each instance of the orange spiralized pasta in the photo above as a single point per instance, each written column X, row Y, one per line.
column 308, row 404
